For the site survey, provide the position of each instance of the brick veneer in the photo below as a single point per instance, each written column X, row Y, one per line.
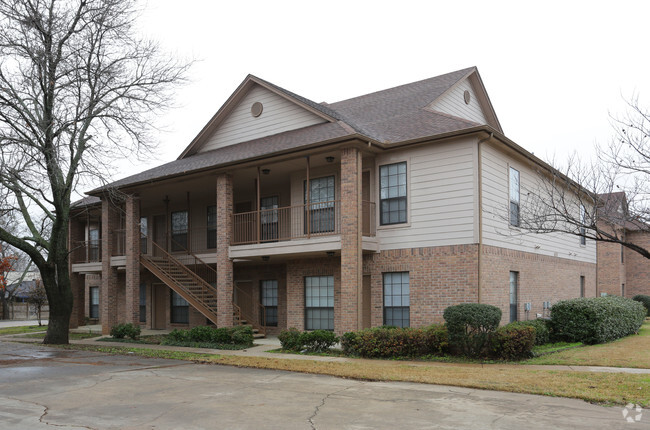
column 132, row 251
column 224, row 264
column 351, row 255
column 108, row 300
column 611, row 270
column 541, row 278
column 637, row 267
column 76, row 234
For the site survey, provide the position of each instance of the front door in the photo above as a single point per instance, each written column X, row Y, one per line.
column 160, row 300
column 159, row 233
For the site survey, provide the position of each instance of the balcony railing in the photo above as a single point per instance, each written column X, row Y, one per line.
column 119, row 242
column 86, row 251
column 296, row 222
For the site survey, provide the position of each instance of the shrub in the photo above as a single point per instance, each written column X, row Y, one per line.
column 596, row 319
column 383, row 342
column 469, row 325
column 513, row 341
column 645, row 301
column 310, row 341
column 542, row 333
column 240, row 335
column 120, row 331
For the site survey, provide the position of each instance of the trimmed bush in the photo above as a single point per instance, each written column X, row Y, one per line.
column 596, row 319
column 645, row 301
column 513, row 341
column 120, row 331
column 240, row 335
column 542, row 333
column 383, row 342
column 309, row 341
column 469, row 325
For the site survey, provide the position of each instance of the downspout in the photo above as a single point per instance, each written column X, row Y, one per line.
column 480, row 216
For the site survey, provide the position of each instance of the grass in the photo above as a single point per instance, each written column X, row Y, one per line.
column 71, row 336
column 551, row 348
column 147, row 340
column 22, row 329
column 160, row 340
column 631, row 351
column 603, row 388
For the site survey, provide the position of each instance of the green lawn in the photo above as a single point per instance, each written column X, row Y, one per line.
column 71, row 336
column 22, row 329
column 631, row 351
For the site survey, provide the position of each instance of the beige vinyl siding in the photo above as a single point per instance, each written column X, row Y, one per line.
column 440, row 197
column 496, row 228
column 278, row 115
column 453, row 103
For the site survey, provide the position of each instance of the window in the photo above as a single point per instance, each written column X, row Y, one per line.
column 319, row 303
column 269, row 299
column 622, row 290
column 397, row 299
column 94, row 244
column 93, row 310
column 622, row 254
column 180, row 309
column 514, row 286
column 179, row 230
column 321, row 204
column 144, row 232
column 211, row 239
column 143, row 303
column 583, row 221
column 269, row 218
column 582, row 286
column 514, row 197
column 392, row 193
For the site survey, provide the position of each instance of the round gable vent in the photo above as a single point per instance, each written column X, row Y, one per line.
column 467, row 96
column 256, row 109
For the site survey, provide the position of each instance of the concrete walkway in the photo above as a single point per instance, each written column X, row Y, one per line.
column 263, row 346
column 17, row 323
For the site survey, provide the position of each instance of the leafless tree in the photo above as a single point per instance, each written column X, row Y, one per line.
column 78, row 88
column 601, row 200
column 37, row 296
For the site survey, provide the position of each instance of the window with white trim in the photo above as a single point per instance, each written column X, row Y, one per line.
column 319, row 303
column 514, row 197
column 392, row 193
column 397, row 306
column 583, row 221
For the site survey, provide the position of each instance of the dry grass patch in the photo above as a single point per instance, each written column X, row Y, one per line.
column 608, row 388
column 631, row 351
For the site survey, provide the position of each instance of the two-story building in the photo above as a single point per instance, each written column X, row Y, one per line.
column 381, row 209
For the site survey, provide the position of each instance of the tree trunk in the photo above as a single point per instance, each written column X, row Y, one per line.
column 59, row 296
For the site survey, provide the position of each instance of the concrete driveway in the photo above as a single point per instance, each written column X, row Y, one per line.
column 43, row 387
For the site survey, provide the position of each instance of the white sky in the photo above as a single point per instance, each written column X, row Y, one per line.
column 554, row 71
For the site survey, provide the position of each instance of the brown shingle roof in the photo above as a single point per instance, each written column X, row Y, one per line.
column 389, row 116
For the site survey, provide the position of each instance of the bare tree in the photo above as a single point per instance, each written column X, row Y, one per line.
column 37, row 296
column 77, row 89
column 601, row 200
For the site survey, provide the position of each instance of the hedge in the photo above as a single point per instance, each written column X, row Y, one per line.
column 540, row 326
column 645, row 301
column 309, row 341
column 120, row 331
column 389, row 342
column 469, row 325
column 239, row 335
column 513, row 341
column 596, row 319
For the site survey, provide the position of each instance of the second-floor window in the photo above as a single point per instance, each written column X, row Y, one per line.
column 179, row 230
column 583, row 221
column 211, row 238
column 514, row 197
column 392, row 193
column 144, row 232
column 94, row 245
column 321, row 204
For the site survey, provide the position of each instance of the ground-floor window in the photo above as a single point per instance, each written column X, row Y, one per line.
column 180, row 309
column 514, row 286
column 143, row 302
column 269, row 299
column 582, row 286
column 319, row 303
column 93, row 311
column 397, row 305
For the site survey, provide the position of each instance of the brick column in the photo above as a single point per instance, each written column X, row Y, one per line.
column 76, row 237
column 132, row 248
column 351, row 252
column 108, row 296
column 224, row 264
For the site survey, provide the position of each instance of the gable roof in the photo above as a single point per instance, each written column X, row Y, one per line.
column 390, row 116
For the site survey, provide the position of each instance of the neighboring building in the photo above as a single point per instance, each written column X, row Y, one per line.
column 381, row 209
column 622, row 271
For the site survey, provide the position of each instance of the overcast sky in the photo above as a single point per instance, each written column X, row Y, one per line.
column 554, row 71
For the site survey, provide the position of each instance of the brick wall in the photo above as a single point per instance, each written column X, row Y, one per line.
column 611, row 271
column 224, row 264
column 108, row 299
column 439, row 277
column 638, row 267
column 248, row 279
column 132, row 252
column 541, row 278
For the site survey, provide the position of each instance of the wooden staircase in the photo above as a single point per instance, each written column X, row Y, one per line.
column 187, row 283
